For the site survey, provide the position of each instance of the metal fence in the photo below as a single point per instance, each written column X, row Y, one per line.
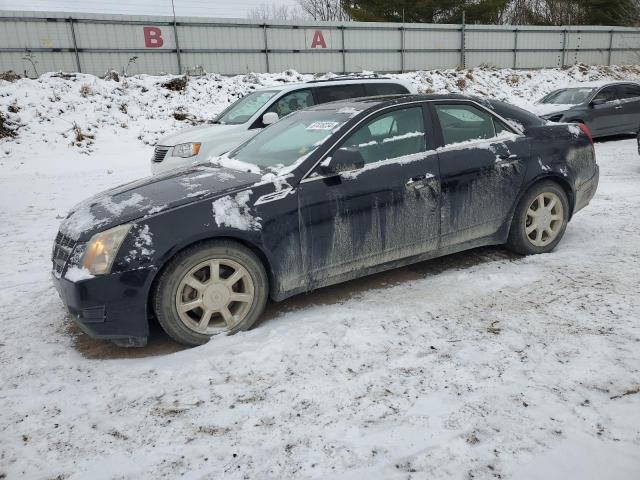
column 93, row 43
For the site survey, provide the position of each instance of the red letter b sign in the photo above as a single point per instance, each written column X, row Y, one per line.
column 152, row 37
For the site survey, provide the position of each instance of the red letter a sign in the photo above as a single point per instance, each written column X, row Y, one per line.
column 318, row 40
column 152, row 37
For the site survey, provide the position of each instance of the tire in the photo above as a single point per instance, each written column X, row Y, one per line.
column 190, row 298
column 525, row 241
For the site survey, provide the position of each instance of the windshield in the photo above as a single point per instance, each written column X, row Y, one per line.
column 568, row 96
column 243, row 109
column 291, row 138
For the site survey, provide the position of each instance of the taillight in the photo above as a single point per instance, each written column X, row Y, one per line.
column 587, row 132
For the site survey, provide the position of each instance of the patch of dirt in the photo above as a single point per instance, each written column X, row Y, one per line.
column 176, row 84
column 7, row 127
column 9, row 76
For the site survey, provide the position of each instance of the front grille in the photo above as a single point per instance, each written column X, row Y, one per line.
column 62, row 249
column 159, row 153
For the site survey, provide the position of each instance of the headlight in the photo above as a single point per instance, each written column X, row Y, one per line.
column 186, row 150
column 102, row 249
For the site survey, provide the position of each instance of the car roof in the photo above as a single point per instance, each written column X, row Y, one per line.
column 598, row 84
column 328, row 82
column 362, row 103
column 502, row 109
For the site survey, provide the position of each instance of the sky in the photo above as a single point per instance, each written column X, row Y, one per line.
column 201, row 8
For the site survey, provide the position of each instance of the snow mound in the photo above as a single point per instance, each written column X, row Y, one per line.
column 84, row 111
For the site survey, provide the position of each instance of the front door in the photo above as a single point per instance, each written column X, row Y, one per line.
column 607, row 118
column 385, row 211
column 482, row 166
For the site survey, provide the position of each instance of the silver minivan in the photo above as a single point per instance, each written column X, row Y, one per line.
column 248, row 115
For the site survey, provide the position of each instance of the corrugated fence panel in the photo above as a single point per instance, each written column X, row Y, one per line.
column 147, row 44
column 306, row 62
column 222, row 37
column 226, row 63
column 52, row 62
column 368, row 39
column 432, row 39
column 379, row 62
column 152, row 63
column 540, row 40
column 431, row 60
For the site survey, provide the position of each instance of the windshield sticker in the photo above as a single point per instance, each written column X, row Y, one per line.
column 322, row 125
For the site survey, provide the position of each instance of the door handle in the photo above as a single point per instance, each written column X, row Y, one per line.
column 416, row 182
column 619, row 107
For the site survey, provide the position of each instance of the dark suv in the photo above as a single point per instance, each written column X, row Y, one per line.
column 608, row 109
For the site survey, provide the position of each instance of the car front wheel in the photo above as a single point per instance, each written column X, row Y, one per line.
column 209, row 289
column 540, row 219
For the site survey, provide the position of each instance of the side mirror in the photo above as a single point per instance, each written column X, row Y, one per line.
column 342, row 160
column 269, row 118
column 598, row 101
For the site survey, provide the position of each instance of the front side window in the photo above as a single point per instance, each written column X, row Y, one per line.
column 245, row 108
column 333, row 93
column 292, row 102
column 290, row 139
column 392, row 135
column 608, row 94
column 462, row 123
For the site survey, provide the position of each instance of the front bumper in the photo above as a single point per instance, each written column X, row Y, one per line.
column 112, row 307
column 586, row 191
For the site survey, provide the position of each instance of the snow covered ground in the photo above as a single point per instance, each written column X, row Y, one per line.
column 477, row 365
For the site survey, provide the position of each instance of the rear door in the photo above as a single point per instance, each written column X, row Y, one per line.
column 377, row 214
column 631, row 108
column 482, row 166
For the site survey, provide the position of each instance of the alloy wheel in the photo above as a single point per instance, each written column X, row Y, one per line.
column 544, row 220
column 214, row 296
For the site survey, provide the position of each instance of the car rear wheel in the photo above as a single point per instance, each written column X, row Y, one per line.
column 209, row 289
column 540, row 219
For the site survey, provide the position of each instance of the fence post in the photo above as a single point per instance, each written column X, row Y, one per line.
column 266, row 46
column 610, row 47
column 175, row 36
column 402, row 49
column 564, row 48
column 463, row 53
column 75, row 44
column 344, row 54
column 515, row 48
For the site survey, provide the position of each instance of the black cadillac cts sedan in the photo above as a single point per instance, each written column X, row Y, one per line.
column 325, row 195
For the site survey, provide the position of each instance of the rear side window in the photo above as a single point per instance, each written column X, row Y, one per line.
column 339, row 92
column 461, row 123
column 374, row 89
column 630, row 91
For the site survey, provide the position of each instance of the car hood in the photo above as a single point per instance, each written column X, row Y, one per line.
column 201, row 133
column 544, row 109
column 152, row 195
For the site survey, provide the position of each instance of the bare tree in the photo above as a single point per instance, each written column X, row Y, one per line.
column 269, row 11
column 324, row 10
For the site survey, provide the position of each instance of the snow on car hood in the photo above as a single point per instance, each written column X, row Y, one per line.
column 201, row 133
column 152, row 195
column 541, row 109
